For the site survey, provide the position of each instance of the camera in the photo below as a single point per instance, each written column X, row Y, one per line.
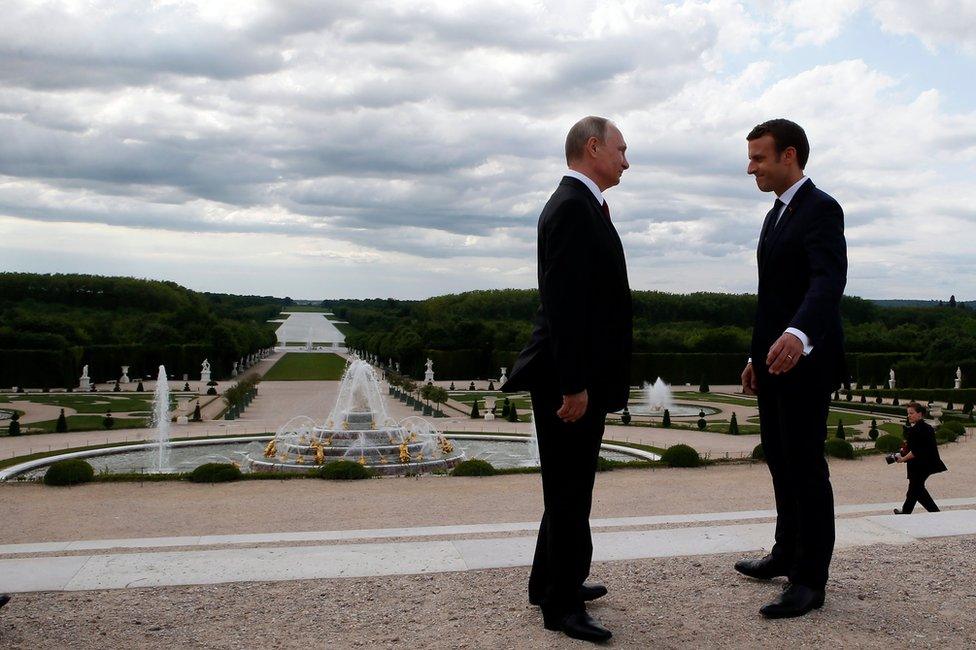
column 892, row 458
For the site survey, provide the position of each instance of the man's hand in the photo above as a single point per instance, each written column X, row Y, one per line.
column 573, row 408
column 750, row 386
column 784, row 354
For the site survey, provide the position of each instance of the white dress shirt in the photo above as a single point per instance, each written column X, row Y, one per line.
column 786, row 197
column 586, row 180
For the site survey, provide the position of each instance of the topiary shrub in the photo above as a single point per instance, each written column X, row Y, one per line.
column 864, row 400
column 474, row 467
column 954, row 425
column 215, row 473
column 733, row 426
column 512, row 413
column 108, row 421
column 625, row 416
column 888, row 443
column 849, row 397
column 196, row 413
column 62, row 424
column 14, row 428
column 758, row 453
column 343, row 470
column 840, row 434
column 703, row 388
column 950, row 406
column 873, row 431
column 505, row 406
column 681, row 456
column 475, row 415
column 944, row 434
column 838, row 448
column 666, row 420
column 967, row 407
column 140, row 389
column 69, row 472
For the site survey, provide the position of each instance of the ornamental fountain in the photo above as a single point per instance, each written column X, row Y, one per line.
column 359, row 429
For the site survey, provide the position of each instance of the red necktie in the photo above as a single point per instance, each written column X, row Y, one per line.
column 606, row 209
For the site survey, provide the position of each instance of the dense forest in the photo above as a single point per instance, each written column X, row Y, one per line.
column 50, row 325
column 927, row 343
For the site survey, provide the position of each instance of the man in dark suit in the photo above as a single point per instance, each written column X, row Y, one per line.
column 797, row 361
column 577, row 367
column 921, row 458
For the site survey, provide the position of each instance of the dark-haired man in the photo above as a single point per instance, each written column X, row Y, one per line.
column 4, row 599
column 797, row 361
column 577, row 367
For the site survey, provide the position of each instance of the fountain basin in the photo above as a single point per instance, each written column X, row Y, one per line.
column 675, row 410
column 501, row 451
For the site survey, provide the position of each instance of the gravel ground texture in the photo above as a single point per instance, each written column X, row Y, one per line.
column 688, row 602
column 37, row 513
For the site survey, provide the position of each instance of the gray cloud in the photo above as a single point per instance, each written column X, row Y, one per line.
column 436, row 132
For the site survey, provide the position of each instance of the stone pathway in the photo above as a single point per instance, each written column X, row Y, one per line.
column 242, row 558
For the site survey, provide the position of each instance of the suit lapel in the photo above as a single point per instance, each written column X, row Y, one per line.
column 785, row 222
column 596, row 212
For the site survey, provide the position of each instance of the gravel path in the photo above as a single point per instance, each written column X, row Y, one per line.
column 689, row 602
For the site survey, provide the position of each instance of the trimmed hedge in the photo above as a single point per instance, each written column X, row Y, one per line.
column 681, row 456
column 474, row 467
column 343, row 470
column 215, row 473
column 69, row 472
column 888, row 443
column 838, row 448
column 758, row 453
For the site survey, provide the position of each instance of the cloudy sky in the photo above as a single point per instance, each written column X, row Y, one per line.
column 340, row 149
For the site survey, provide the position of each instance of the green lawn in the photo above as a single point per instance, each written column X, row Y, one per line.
column 307, row 367
column 522, row 401
column 85, row 423
column 90, row 402
column 892, row 427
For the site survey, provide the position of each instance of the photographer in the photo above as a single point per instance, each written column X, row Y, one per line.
column 921, row 455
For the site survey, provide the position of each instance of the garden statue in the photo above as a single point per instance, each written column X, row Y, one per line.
column 958, row 382
column 205, row 371
column 84, row 383
column 504, row 377
column 124, row 379
column 429, row 374
column 891, row 378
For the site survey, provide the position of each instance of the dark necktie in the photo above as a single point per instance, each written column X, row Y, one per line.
column 777, row 209
column 774, row 215
column 606, row 209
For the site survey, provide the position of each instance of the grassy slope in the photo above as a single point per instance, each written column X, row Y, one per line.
column 307, row 367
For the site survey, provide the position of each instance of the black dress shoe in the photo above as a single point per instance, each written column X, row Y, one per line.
column 579, row 625
column 898, row 512
column 762, row 569
column 589, row 591
column 4, row 599
column 796, row 600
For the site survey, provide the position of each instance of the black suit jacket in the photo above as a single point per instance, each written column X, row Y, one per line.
column 920, row 439
column 583, row 329
column 802, row 274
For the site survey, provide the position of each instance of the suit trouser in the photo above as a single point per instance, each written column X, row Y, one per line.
column 918, row 494
column 568, row 455
column 793, row 421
